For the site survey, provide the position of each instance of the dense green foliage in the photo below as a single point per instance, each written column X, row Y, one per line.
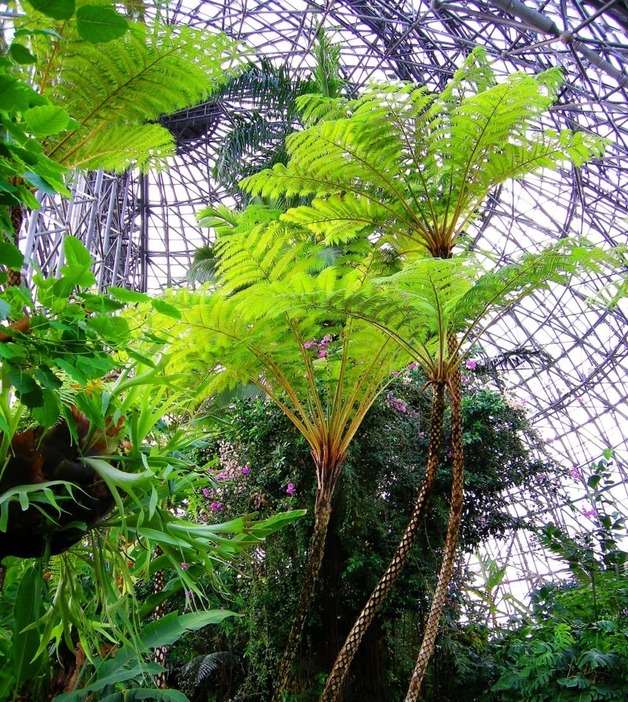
column 263, row 464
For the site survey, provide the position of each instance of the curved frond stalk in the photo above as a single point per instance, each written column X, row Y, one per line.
column 115, row 97
column 451, row 541
column 337, row 676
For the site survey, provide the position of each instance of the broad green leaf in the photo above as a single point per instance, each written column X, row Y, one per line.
column 48, row 413
column 41, row 183
column 20, row 54
column 76, row 253
column 25, row 643
column 97, row 24
column 11, row 256
column 112, row 329
column 117, row 477
column 44, row 120
column 57, row 9
column 125, row 295
column 166, row 308
column 25, row 387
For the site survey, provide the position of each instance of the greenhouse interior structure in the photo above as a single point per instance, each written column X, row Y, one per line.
column 313, row 350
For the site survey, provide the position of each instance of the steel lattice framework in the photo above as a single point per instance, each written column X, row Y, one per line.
column 143, row 230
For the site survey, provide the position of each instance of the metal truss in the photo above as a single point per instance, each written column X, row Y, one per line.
column 143, row 230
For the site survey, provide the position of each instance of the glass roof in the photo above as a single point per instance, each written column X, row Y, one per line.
column 573, row 377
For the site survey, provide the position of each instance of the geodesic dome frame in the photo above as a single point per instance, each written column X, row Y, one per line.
column 143, row 229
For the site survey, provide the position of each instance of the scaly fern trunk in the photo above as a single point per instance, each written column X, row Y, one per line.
column 339, row 672
column 160, row 654
column 322, row 512
column 451, row 541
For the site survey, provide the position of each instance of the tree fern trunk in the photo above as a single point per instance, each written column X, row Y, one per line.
column 338, row 674
column 449, row 550
column 322, row 512
column 159, row 655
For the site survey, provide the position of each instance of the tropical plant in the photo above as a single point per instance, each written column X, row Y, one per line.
column 61, row 377
column 572, row 646
column 264, row 465
column 411, row 170
column 323, row 369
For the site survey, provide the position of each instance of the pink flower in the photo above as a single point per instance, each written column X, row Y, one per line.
column 184, row 565
column 325, row 340
column 215, row 506
column 221, row 476
column 471, row 365
column 310, row 344
column 322, row 353
column 575, row 473
column 206, row 493
column 589, row 512
column 245, row 470
column 290, row 489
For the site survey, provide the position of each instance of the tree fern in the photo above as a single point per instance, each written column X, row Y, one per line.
column 116, row 96
column 415, row 168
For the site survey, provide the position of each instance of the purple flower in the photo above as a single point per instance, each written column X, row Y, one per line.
column 215, row 506
column 464, row 378
column 471, row 365
column 575, row 473
column 413, row 366
column 245, row 470
column 325, row 340
column 184, row 565
column 221, row 476
column 322, row 353
column 589, row 512
column 290, row 489
column 310, row 344
column 206, row 492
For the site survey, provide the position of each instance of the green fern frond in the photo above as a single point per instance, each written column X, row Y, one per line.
column 419, row 166
column 496, row 291
column 118, row 147
column 140, row 77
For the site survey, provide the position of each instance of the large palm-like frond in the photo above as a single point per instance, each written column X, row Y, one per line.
column 116, row 96
column 416, row 167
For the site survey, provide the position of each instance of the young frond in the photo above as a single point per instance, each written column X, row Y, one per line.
column 139, row 78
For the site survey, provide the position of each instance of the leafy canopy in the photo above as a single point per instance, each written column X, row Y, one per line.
column 414, row 167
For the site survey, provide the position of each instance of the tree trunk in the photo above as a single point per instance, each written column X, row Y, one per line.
column 449, row 550
column 339, row 672
column 322, row 512
column 14, row 278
